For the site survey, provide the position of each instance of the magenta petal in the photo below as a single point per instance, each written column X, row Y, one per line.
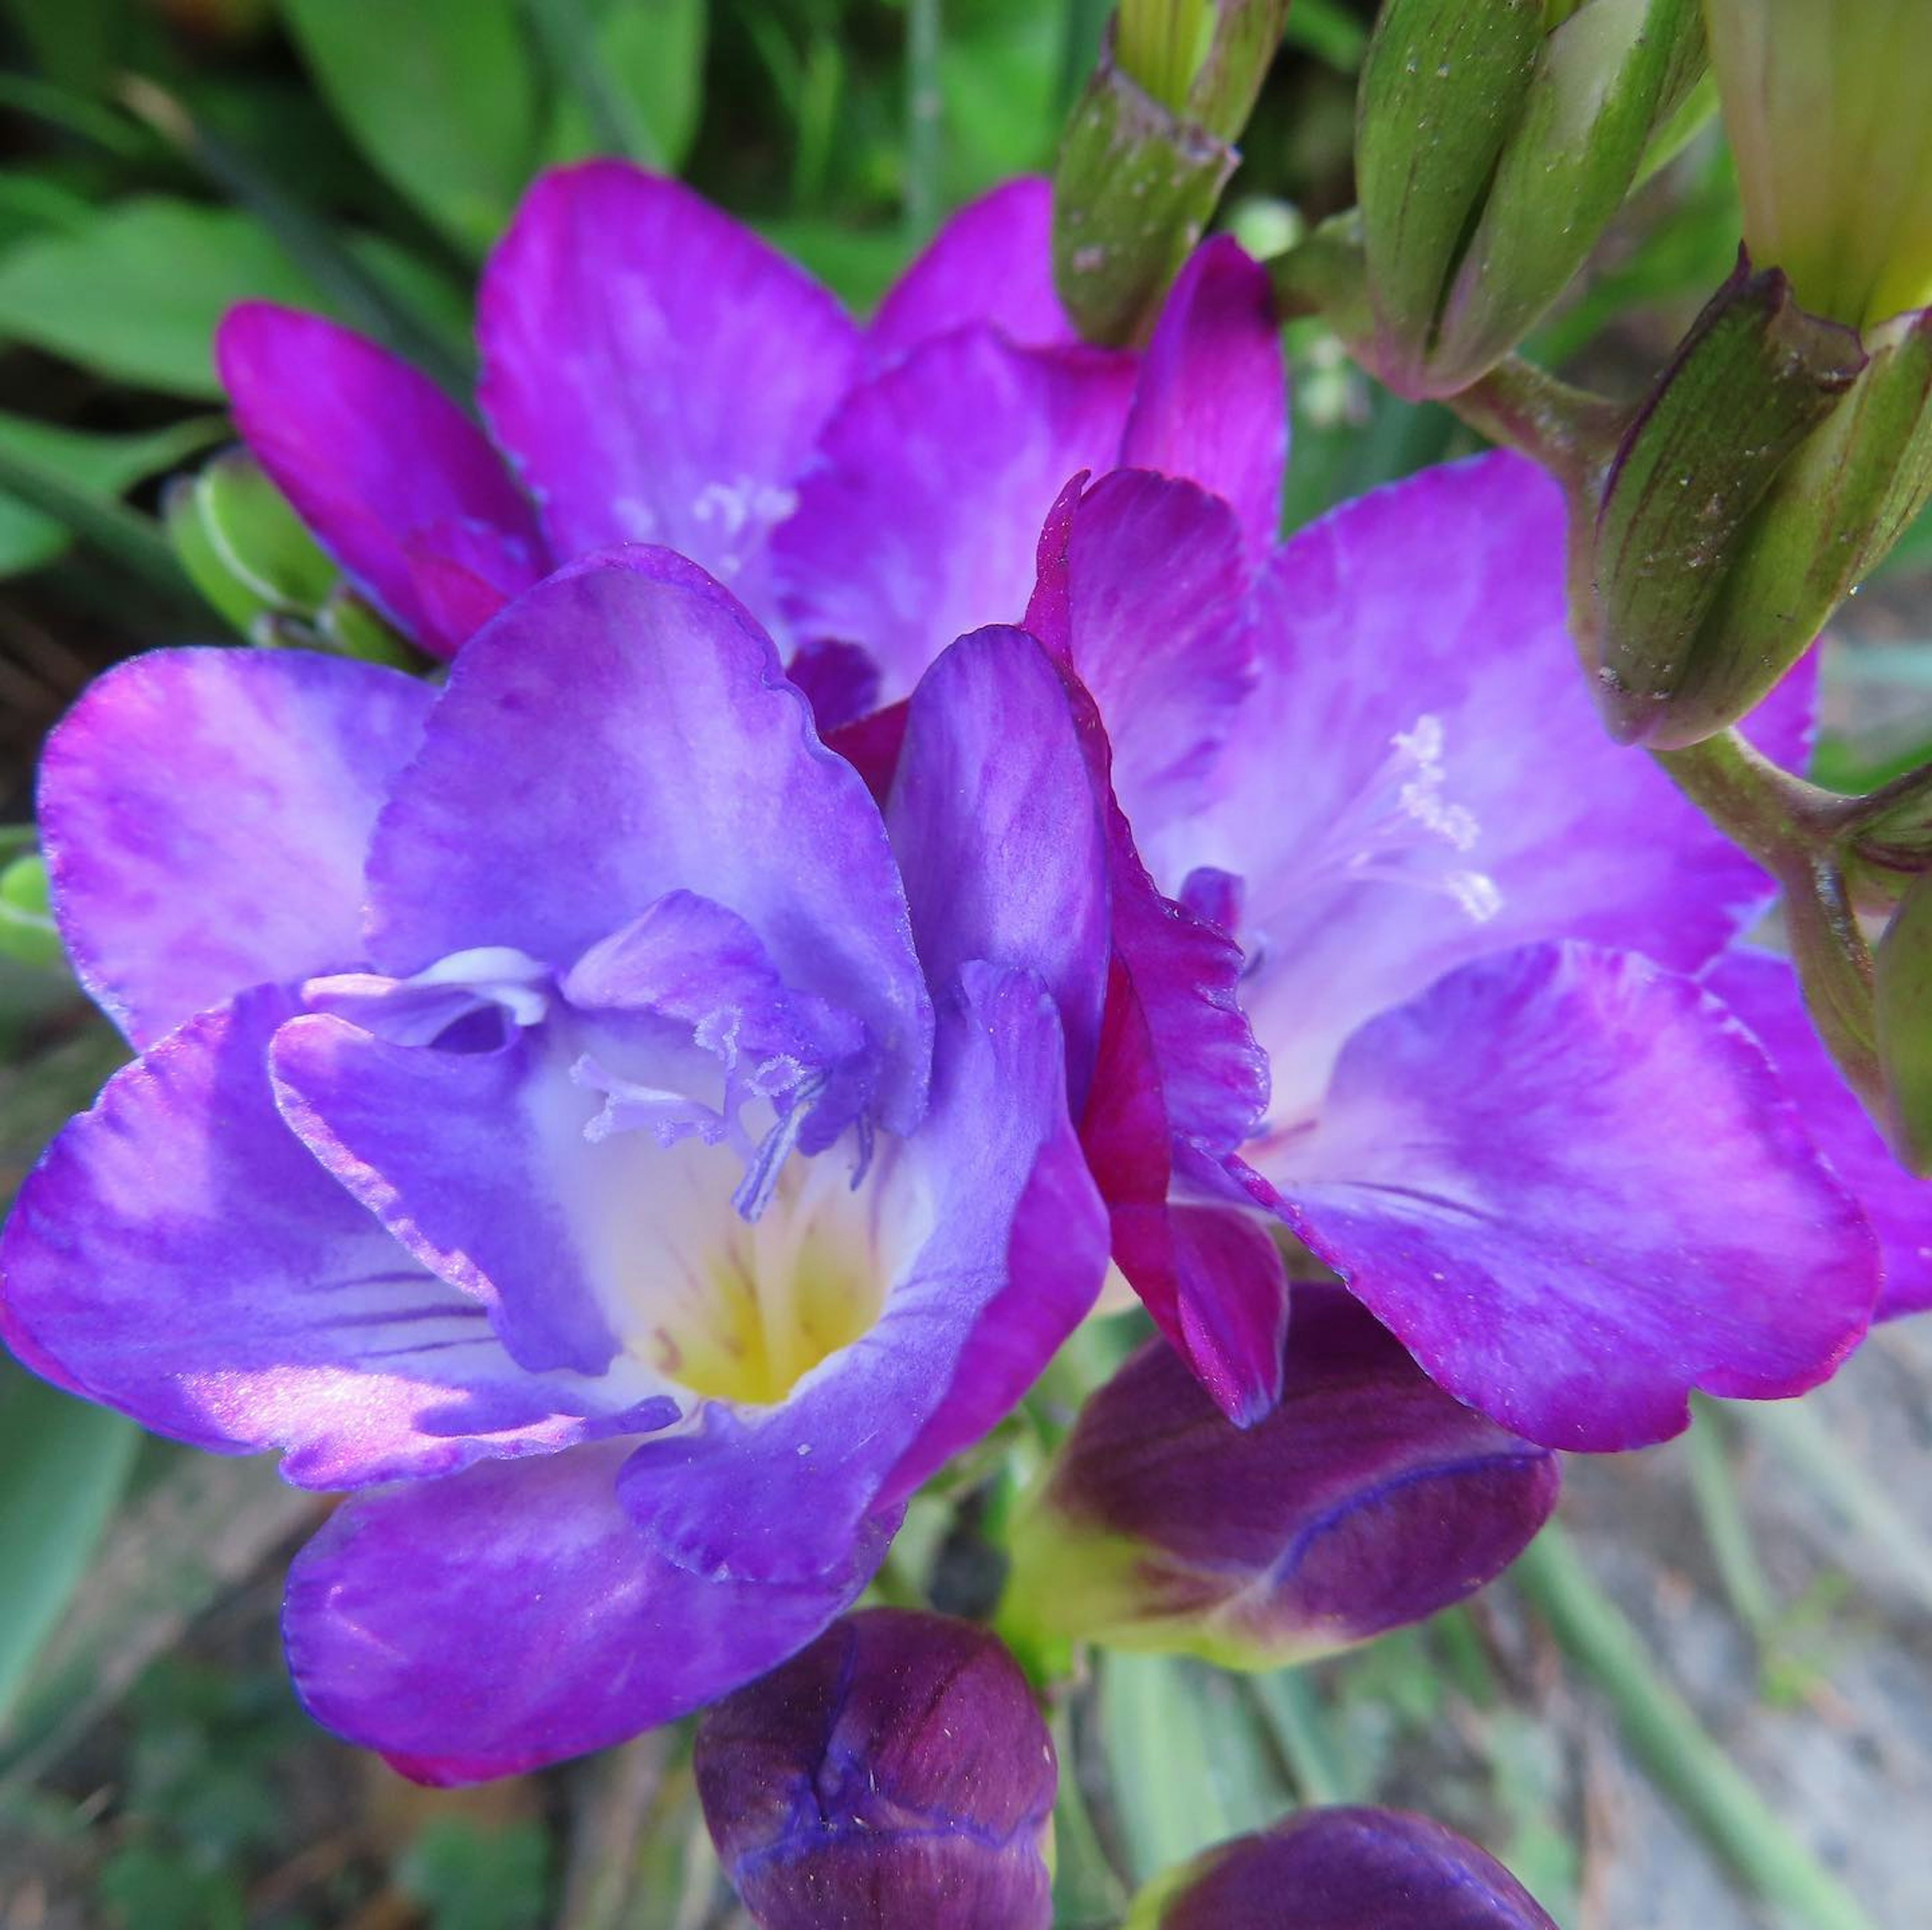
column 178, row 1255
column 1212, row 404
column 998, row 834
column 658, row 372
column 1420, row 776
column 1762, row 991
column 1573, row 1187
column 205, row 815
column 992, row 261
column 513, row 1615
column 371, row 452
column 1148, row 586
column 920, row 521
column 1349, row 1869
column 621, row 732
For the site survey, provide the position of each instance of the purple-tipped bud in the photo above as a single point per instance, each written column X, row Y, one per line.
column 1342, row 1869
column 896, row 1772
column 1368, row 1499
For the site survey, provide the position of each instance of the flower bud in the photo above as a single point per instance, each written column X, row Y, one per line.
column 1341, row 1869
column 1148, row 150
column 1368, row 1499
column 242, row 545
column 1495, row 144
column 1824, row 103
column 1772, row 467
column 27, row 929
column 896, row 1772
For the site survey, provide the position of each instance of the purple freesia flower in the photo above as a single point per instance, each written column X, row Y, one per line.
column 653, row 372
column 570, row 1110
column 1495, row 1099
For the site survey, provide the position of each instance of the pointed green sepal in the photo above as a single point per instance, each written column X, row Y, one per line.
column 1756, row 375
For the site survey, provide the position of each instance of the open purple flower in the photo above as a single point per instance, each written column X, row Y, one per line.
column 570, row 1109
column 653, row 372
column 1495, row 1099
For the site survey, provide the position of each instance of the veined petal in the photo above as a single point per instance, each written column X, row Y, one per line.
column 1212, row 402
column 515, row 1616
column 1763, row 993
column 999, row 836
column 1573, row 1189
column 374, row 455
column 657, row 371
column 624, row 731
column 1002, row 1241
column 205, row 814
column 178, row 1255
column 919, row 521
column 1420, row 778
column 991, row 262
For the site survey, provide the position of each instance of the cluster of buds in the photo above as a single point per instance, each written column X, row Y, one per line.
column 1148, row 150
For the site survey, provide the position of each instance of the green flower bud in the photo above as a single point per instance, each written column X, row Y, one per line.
column 27, row 931
column 1148, row 150
column 1772, row 468
column 1495, row 144
column 242, row 545
column 1824, row 103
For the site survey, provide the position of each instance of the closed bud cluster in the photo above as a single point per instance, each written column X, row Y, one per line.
column 1495, row 144
column 1368, row 1498
column 1148, row 150
column 894, row 1772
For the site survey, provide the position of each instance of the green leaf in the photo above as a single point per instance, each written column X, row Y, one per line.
column 441, row 95
column 469, row 1879
column 103, row 467
column 1190, row 1765
column 63, row 1464
column 633, row 72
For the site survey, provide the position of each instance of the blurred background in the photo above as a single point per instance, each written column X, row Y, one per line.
column 1754, row 1601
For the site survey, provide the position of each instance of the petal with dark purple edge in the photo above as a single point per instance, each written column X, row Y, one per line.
column 374, row 455
column 991, row 262
column 623, row 731
column 1570, row 1183
column 1154, row 583
column 1212, row 402
column 656, row 371
column 206, row 814
column 1342, row 1869
column 919, row 521
column 1010, row 1251
column 1419, row 777
column 1369, row 1499
column 513, row 1615
column 897, row 1772
column 999, row 837
column 178, row 1255
column 1763, row 992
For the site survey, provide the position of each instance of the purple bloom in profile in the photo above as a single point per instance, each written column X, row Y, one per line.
column 1496, row 1099
column 1366, row 1500
column 570, row 1109
column 1342, row 1869
column 654, row 371
column 896, row 1772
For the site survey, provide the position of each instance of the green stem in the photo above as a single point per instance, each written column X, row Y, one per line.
column 133, row 540
column 1567, row 430
column 1293, row 1712
column 617, row 127
column 1806, row 1447
column 1714, row 1483
column 925, row 118
column 1680, row 1757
